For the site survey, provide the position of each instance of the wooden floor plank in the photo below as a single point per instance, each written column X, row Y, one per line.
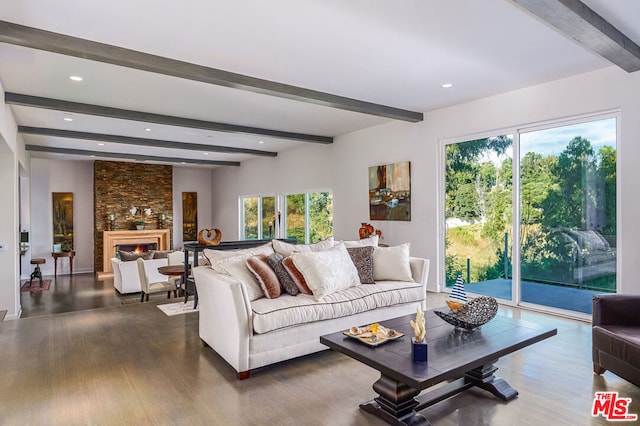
column 131, row 364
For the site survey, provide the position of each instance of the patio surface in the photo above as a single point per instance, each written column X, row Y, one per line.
column 556, row 296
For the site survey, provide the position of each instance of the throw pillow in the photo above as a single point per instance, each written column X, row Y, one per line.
column 371, row 241
column 286, row 249
column 129, row 256
column 392, row 263
column 362, row 258
column 161, row 254
column 275, row 261
column 213, row 255
column 259, row 266
column 237, row 268
column 296, row 275
column 326, row 272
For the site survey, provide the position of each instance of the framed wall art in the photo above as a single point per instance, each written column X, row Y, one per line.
column 63, row 220
column 390, row 192
column 189, row 216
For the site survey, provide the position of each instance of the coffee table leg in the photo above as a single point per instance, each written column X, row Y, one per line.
column 483, row 378
column 395, row 403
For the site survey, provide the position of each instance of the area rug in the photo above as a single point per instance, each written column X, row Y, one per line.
column 35, row 286
column 177, row 308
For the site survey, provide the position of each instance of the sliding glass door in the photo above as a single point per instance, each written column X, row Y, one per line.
column 478, row 215
column 563, row 200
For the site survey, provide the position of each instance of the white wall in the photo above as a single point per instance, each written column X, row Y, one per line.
column 343, row 165
column 11, row 155
column 191, row 180
column 49, row 176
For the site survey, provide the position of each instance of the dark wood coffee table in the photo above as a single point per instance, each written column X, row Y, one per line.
column 467, row 358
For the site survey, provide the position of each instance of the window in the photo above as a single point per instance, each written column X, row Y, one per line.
column 308, row 217
column 252, row 208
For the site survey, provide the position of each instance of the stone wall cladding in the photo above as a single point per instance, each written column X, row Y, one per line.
column 118, row 186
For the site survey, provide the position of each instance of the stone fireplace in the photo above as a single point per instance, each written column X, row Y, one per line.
column 113, row 239
column 119, row 186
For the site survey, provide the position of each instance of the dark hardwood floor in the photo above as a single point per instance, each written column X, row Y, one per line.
column 99, row 361
column 75, row 293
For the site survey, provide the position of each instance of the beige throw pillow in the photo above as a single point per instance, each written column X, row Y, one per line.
column 326, row 272
column 214, row 255
column 286, row 249
column 237, row 268
column 392, row 263
column 371, row 241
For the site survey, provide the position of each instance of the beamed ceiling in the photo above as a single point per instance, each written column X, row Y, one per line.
column 216, row 83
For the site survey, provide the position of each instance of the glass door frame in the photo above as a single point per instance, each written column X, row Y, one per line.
column 515, row 132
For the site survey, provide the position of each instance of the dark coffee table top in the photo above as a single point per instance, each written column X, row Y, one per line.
column 451, row 353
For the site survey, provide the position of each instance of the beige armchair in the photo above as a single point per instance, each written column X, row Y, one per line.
column 153, row 287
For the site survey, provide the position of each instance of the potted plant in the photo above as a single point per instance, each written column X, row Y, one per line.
column 139, row 225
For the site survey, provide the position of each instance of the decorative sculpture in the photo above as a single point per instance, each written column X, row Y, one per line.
column 418, row 325
column 204, row 237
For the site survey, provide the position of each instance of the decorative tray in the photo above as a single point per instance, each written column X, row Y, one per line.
column 366, row 335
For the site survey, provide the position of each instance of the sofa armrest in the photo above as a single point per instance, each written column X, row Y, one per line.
column 420, row 270
column 616, row 309
column 225, row 316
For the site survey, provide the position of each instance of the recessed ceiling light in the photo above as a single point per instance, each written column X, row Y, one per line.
column 75, row 78
column 183, row 162
column 68, row 119
column 92, row 156
column 447, row 85
column 261, row 142
column 100, row 144
column 147, row 129
column 206, row 153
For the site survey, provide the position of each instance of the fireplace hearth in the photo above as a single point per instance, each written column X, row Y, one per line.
column 113, row 239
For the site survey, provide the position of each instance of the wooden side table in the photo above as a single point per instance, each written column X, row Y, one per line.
column 68, row 254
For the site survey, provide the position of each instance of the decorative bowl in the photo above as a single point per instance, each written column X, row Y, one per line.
column 474, row 314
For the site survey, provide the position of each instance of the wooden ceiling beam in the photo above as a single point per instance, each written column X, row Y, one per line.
column 128, row 140
column 582, row 24
column 135, row 157
column 147, row 117
column 35, row 38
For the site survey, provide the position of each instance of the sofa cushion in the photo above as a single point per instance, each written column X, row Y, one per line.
column 275, row 261
column 267, row 278
column 362, row 258
column 620, row 341
column 286, row 249
column 237, row 268
column 287, row 311
column 215, row 255
column 328, row 271
column 392, row 263
column 296, row 275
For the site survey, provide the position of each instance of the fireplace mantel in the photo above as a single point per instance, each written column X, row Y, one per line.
column 111, row 239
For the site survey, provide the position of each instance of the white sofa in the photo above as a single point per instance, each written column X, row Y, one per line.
column 126, row 278
column 251, row 334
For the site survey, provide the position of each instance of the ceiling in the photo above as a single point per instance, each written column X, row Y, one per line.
column 382, row 59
